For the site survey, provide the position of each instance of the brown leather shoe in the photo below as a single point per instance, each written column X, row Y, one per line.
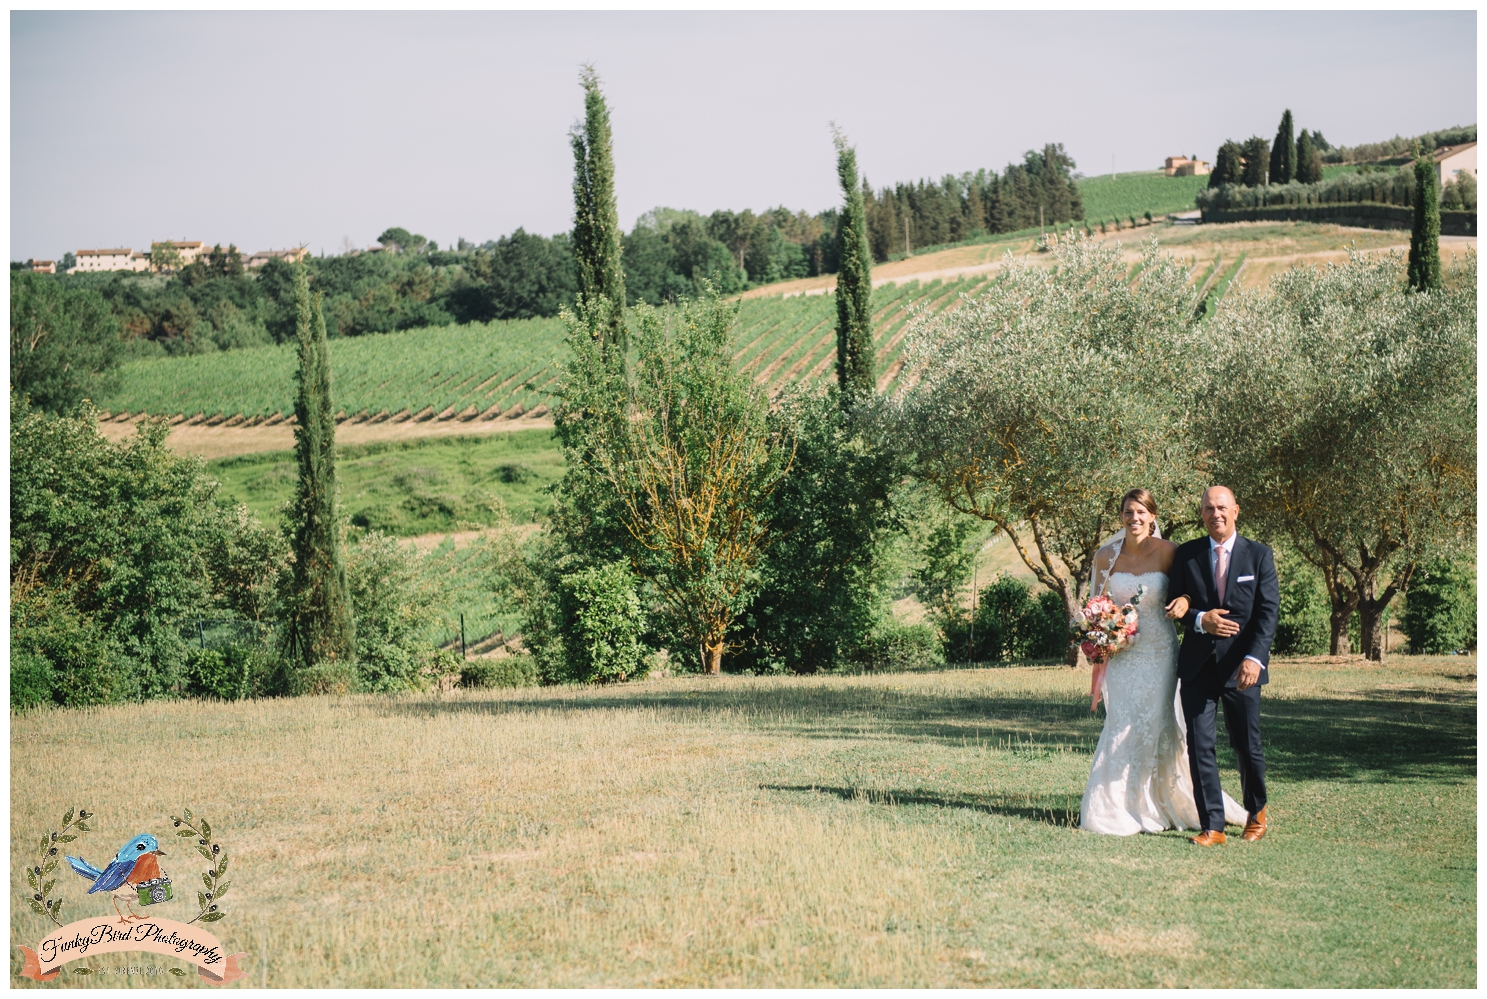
column 1209, row 837
column 1255, row 827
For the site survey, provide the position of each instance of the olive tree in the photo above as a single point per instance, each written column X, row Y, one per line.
column 1040, row 402
column 689, row 454
column 1342, row 410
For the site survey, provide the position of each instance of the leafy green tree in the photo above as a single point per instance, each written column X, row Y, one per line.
column 165, row 257
column 1256, row 157
column 691, row 457
column 520, row 276
column 1425, row 238
column 1283, row 151
column 1440, row 613
column 597, row 249
column 1368, row 470
column 1228, row 166
column 854, row 287
column 1308, row 160
column 107, row 545
column 64, row 342
column 824, row 581
column 400, row 240
column 321, row 625
column 1043, row 400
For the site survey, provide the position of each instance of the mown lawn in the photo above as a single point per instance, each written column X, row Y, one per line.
column 908, row 829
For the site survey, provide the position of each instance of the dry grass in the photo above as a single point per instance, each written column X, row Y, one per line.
column 856, row 831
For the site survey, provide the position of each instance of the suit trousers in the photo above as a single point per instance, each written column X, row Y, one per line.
column 1200, row 699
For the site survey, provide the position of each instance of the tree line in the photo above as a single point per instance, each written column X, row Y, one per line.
column 701, row 524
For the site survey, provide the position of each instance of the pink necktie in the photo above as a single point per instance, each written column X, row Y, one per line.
column 1221, row 571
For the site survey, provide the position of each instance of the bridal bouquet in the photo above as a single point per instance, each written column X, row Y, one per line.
column 1101, row 630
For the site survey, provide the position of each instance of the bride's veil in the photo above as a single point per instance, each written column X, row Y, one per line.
column 1116, row 541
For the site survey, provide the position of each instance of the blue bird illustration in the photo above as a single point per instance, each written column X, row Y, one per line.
column 134, row 864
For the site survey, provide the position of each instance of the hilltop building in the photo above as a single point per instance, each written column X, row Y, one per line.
column 1452, row 160
column 120, row 259
column 262, row 257
column 1183, row 166
column 42, row 266
column 127, row 259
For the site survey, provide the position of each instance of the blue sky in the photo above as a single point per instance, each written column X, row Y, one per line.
column 275, row 129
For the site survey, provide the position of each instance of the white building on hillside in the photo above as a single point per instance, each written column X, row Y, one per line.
column 1456, row 159
column 119, row 259
column 262, row 257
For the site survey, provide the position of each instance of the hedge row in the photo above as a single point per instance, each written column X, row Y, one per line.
column 1368, row 216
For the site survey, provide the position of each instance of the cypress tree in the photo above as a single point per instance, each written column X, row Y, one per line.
column 854, row 286
column 596, row 221
column 321, row 626
column 1283, row 153
column 1308, row 160
column 1228, row 166
column 1425, row 240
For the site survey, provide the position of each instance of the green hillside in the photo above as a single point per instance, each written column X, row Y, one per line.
column 1133, row 194
column 502, row 365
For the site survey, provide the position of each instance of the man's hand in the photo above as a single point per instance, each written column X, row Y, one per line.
column 1178, row 608
column 1248, row 674
column 1216, row 622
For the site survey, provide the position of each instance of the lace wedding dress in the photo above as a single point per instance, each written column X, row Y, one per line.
column 1140, row 780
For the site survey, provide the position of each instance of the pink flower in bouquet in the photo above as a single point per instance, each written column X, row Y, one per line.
column 1101, row 630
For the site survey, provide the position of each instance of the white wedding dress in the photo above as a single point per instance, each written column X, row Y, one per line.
column 1140, row 780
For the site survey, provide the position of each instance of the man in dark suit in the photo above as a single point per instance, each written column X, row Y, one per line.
column 1225, row 587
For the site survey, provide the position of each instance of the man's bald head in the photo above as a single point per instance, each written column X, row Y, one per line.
column 1218, row 492
column 1220, row 512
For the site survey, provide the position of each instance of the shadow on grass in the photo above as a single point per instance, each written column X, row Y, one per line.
column 1410, row 733
column 1053, row 812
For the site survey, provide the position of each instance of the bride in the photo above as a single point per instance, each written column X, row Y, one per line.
column 1140, row 780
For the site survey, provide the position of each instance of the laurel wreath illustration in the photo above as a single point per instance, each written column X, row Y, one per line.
column 47, row 901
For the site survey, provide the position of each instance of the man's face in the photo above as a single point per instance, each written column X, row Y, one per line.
column 1220, row 513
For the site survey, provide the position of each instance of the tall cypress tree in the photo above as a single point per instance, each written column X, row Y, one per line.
column 321, row 626
column 854, row 286
column 1283, row 152
column 1308, row 160
column 596, row 221
column 1425, row 240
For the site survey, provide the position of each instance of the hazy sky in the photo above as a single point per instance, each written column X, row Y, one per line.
column 270, row 130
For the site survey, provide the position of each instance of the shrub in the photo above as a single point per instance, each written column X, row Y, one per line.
column 385, row 667
column 506, row 671
column 898, row 647
column 604, row 643
column 1304, row 628
column 1440, row 610
column 514, row 473
column 329, row 676
column 30, row 679
column 233, row 673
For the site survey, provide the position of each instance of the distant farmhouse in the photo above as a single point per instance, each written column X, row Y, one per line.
column 1452, row 160
column 126, row 259
column 1184, row 166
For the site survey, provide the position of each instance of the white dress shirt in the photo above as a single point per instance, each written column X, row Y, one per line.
column 1213, row 558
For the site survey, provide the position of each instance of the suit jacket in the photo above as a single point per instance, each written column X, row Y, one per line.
column 1251, row 595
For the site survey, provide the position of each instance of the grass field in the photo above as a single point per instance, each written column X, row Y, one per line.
column 1133, row 194
column 414, row 487
column 908, row 829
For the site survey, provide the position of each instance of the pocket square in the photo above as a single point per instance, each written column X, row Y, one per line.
column 1245, row 579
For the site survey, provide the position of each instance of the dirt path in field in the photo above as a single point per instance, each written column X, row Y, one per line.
column 226, row 442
